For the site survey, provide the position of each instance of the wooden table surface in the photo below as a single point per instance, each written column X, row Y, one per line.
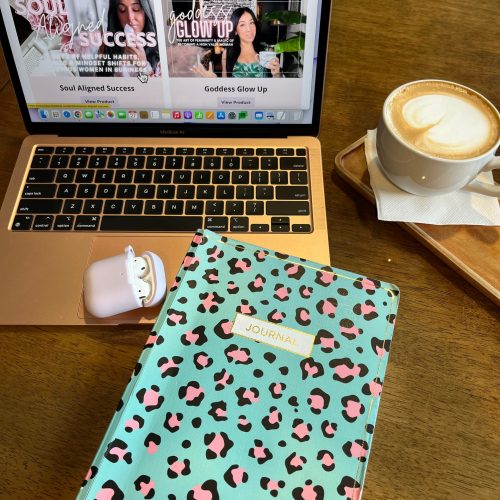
column 437, row 434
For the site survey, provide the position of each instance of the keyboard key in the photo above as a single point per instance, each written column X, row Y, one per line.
column 146, row 191
column 106, row 191
column 40, row 161
column 153, row 207
column 174, row 207
column 298, row 177
column 240, row 177
column 102, row 176
column 301, row 228
column 224, row 151
column 239, row 224
column 185, row 192
column 87, row 223
column 84, row 176
column 193, row 162
column 117, row 162
column 155, row 162
column 254, row 208
column 124, row 150
column 292, row 192
column 264, row 192
column 260, row 177
column 22, row 222
column 86, row 191
column 151, row 223
column 43, row 222
column 123, row 176
column 78, row 161
column 64, row 223
column 174, row 161
column 182, row 176
column 136, row 162
column 184, row 151
column 219, row 224
column 225, row 192
column 72, row 206
column 162, row 177
column 269, row 163
column 165, row 192
column 205, row 151
column 92, row 206
column 259, row 228
column 104, row 150
column 44, row 150
column 301, row 152
column 293, row 163
column 133, row 207
column 39, row 190
column 250, row 163
column 205, row 192
column 59, row 161
column 202, row 177
column 221, row 177
column 287, row 208
column 141, row 150
column 214, row 207
column 285, row 151
column 234, row 208
column 125, row 191
column 84, row 150
column 244, row 192
column 64, row 175
column 195, row 207
column 66, row 190
column 279, row 177
column 39, row 206
column 164, row 151
column 143, row 176
column 98, row 161
column 212, row 162
column 245, row 151
column 280, row 224
column 113, row 206
column 231, row 163
column 265, row 152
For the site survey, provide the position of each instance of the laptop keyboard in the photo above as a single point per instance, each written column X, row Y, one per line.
column 84, row 188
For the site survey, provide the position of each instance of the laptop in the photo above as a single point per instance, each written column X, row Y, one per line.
column 150, row 119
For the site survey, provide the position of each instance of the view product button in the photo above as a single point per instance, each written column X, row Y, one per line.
column 235, row 102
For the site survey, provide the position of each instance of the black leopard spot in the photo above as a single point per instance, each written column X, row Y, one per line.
column 270, row 357
column 178, row 467
column 349, row 330
column 136, row 422
column 222, row 379
column 344, row 370
column 311, row 369
column 284, row 370
column 305, row 291
column 201, row 491
column 169, row 367
column 257, row 285
column 328, row 428
column 238, row 356
column 292, row 401
column 201, row 360
column 210, row 302
column 245, row 308
column 272, row 486
column 301, row 430
column 211, row 276
column 150, row 398
column 327, row 460
column 343, row 292
column 380, row 347
column 308, row 491
column 243, row 424
column 223, row 329
column 145, row 486
column 173, row 421
column 191, row 262
column 247, row 396
column 352, row 408
column 137, row 369
column 294, row 271
column 327, row 307
column 237, row 266
column 176, row 317
column 232, row 288
column 276, row 316
column 111, row 485
column 218, row 411
column 196, row 336
column 275, row 273
column 302, row 316
column 391, row 318
column 192, row 393
column 366, row 284
column 326, row 340
column 191, row 284
column 358, row 449
column 152, row 442
column 261, row 454
column 214, row 254
column 325, row 277
column 367, row 310
column 318, row 401
column 235, row 475
column 349, row 488
column 276, row 389
column 150, row 342
column 373, row 388
column 282, row 292
column 260, row 255
column 272, row 421
column 90, row 475
column 218, row 444
column 115, row 452
column 294, row 463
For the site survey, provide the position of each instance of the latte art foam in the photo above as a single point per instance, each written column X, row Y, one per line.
column 444, row 120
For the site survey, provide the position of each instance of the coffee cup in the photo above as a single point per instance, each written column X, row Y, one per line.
column 265, row 57
column 436, row 136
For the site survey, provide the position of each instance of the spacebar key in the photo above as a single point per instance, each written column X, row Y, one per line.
column 150, row 223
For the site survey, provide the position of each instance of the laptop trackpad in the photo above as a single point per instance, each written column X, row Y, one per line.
column 171, row 249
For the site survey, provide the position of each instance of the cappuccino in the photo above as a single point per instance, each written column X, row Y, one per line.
column 443, row 120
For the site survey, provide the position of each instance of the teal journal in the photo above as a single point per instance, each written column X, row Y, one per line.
column 261, row 379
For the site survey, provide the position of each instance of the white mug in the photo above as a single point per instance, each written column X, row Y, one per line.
column 424, row 173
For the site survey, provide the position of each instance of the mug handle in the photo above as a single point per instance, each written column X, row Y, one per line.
column 476, row 186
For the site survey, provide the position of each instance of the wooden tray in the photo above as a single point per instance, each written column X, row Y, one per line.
column 473, row 251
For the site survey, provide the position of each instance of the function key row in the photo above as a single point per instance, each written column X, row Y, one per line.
column 141, row 150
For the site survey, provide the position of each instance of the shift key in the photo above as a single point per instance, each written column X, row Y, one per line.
column 39, row 206
column 287, row 208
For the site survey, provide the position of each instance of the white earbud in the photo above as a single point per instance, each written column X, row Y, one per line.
column 142, row 289
column 140, row 266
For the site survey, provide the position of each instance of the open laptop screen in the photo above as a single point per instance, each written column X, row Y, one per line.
column 206, row 63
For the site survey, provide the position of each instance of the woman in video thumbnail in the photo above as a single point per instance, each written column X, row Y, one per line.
column 241, row 60
column 137, row 16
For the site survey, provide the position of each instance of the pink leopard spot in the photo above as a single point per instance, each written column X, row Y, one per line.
column 353, row 330
column 192, row 337
column 326, row 342
column 304, row 315
column 296, row 461
column 328, row 307
column 146, row 488
column 311, row 370
column 259, row 452
column 238, row 475
column 238, row 355
column 273, row 485
column 201, row 494
column 375, row 388
column 306, row 293
column 132, row 424
column 245, row 309
column 175, row 318
column 243, row 266
column 353, row 493
column 368, row 284
column 277, row 389
column 202, row 360
column 327, row 460
column 197, row 239
column 317, row 402
column 89, row 474
column 292, row 270
column 105, row 494
column 152, row 448
column 367, row 309
column 274, row 417
column 261, row 254
column 209, row 301
column 327, row 278
column 217, row 445
column 151, row 398
column 170, row 364
column 282, row 293
column 248, row 394
column 258, row 283
column 173, row 421
column 308, row 493
column 220, row 412
column 178, row 467
column 231, row 286
column 358, row 451
column 381, row 352
column 192, row 393
column 344, row 371
column 118, row 452
column 277, row 316
column 301, row 431
column 353, row 409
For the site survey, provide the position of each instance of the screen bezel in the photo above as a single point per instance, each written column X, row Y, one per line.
column 181, row 129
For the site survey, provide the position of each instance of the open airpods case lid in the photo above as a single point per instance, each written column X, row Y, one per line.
column 123, row 282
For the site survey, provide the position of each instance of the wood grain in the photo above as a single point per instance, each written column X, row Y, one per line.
column 437, row 432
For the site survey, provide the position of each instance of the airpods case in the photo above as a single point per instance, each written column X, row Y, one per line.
column 123, row 282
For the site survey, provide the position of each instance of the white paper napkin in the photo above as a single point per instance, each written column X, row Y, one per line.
column 460, row 207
